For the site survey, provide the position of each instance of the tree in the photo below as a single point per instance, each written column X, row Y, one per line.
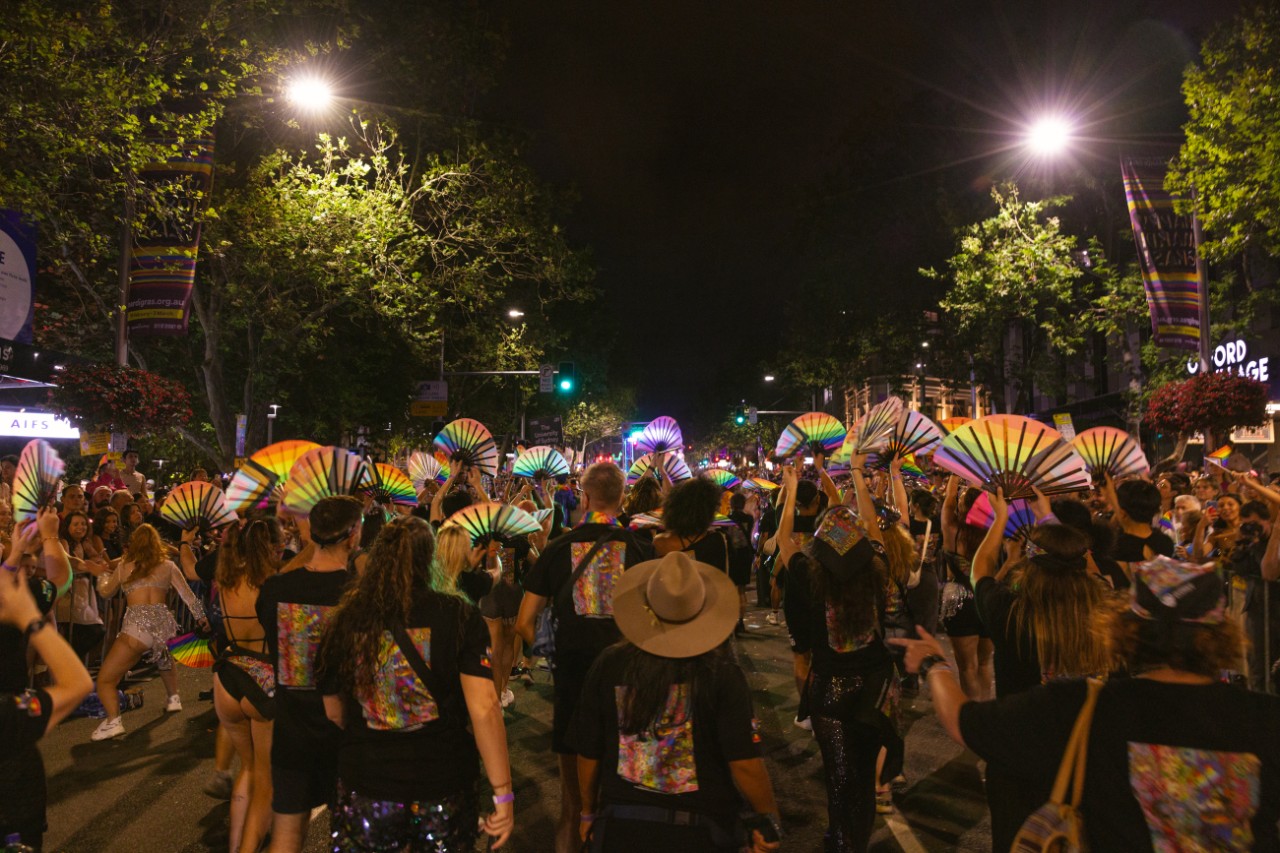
column 1212, row 403
column 588, row 421
column 1230, row 160
column 1013, row 295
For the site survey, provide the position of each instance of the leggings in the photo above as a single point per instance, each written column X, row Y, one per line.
column 849, row 752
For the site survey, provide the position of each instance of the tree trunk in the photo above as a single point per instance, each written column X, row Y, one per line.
column 223, row 419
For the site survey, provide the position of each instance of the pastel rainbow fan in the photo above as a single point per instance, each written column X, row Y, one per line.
column 36, row 479
column 469, row 442
column 191, row 650
column 1013, row 453
column 539, row 462
column 913, row 434
column 196, row 504
column 278, row 459
column 251, row 488
column 646, row 520
column 325, row 472
column 675, row 467
column 390, row 485
column 950, row 425
column 759, row 484
column 1021, row 518
column 1112, row 451
column 815, row 432
column 873, row 430
column 425, row 468
column 723, row 479
column 660, row 435
column 493, row 521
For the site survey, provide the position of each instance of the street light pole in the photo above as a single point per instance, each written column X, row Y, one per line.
column 271, row 422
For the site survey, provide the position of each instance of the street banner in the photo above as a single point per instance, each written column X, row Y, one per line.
column 17, row 277
column 172, row 197
column 546, row 431
column 1166, row 254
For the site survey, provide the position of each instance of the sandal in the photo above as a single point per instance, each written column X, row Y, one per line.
column 884, row 800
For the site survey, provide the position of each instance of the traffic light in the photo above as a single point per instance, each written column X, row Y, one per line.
column 566, row 381
column 739, row 416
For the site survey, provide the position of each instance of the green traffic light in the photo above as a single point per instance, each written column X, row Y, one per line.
column 739, row 420
column 566, row 384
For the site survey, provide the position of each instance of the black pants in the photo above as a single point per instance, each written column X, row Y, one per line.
column 849, row 752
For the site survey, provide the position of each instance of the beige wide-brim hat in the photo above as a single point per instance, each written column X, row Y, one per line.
column 675, row 607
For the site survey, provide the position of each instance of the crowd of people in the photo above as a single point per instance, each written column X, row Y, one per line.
column 365, row 651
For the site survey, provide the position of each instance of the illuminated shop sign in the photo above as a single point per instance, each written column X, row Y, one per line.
column 1234, row 357
column 30, row 424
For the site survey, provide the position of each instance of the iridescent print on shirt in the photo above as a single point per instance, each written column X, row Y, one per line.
column 593, row 590
column 838, row 638
column 660, row 759
column 397, row 699
column 298, row 630
column 259, row 670
column 1195, row 800
column 840, row 529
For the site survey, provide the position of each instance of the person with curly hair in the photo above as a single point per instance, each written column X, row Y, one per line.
column 687, row 513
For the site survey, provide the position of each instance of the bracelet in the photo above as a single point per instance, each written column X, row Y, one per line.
column 509, row 797
column 929, row 662
column 49, row 538
column 9, row 567
column 35, row 626
column 587, row 818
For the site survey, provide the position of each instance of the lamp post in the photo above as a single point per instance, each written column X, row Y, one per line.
column 271, row 422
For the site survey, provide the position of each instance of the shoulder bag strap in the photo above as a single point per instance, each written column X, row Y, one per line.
column 1073, row 757
column 414, row 657
column 585, row 562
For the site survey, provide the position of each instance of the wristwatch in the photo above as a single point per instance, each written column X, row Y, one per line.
column 929, row 662
column 34, row 627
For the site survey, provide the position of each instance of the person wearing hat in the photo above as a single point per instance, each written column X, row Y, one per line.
column 1177, row 759
column 666, row 741
column 836, row 596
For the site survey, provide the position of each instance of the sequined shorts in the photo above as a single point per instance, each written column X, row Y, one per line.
column 152, row 625
column 365, row 825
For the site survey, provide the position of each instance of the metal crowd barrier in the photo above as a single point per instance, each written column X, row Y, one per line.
column 111, row 611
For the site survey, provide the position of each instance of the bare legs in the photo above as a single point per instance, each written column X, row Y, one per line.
column 974, row 659
column 124, row 653
column 250, row 733
column 567, row 840
column 502, row 641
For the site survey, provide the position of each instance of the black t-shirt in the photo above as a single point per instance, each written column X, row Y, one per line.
column 684, row 764
column 294, row 609
column 1132, row 549
column 711, row 549
column 1170, row 766
column 13, row 651
column 475, row 584
column 403, row 740
column 207, row 567
column 1017, row 665
column 24, row 715
column 584, row 614
column 823, row 627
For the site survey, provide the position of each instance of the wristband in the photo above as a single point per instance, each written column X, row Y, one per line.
column 34, row 627
column 587, row 818
column 929, row 662
column 1049, row 518
column 509, row 797
column 9, row 567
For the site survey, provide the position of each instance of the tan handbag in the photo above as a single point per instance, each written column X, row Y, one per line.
column 1058, row 826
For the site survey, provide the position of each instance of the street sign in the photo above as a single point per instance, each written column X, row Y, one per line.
column 242, row 428
column 753, row 415
column 546, row 378
column 1062, row 421
column 430, row 399
column 548, row 431
column 94, row 443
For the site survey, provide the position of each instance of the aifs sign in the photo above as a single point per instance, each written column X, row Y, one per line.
column 1235, row 357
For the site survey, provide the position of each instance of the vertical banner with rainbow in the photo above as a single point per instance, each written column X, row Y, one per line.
column 171, row 197
column 1166, row 253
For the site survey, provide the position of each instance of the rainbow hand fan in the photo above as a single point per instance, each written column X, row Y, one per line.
column 278, row 459
column 874, row 429
column 1111, row 450
column 912, row 434
column 36, row 479
column 675, row 467
column 950, row 425
column 190, row 650
column 1013, row 453
column 468, row 441
column 493, row 521
column 646, row 520
column 759, row 484
column 541, row 515
column 723, row 479
column 196, row 504
column 325, row 472
column 660, row 435
column 390, row 485
column 538, row 462
column 817, row 432
column 424, row 468
column 1021, row 518
column 251, row 488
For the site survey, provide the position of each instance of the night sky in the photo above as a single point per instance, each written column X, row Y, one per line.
column 715, row 148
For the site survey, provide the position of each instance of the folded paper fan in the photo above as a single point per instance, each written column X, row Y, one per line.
column 36, row 479
column 1013, row 453
column 873, row 430
column 425, row 468
column 325, row 472
column 541, row 515
column 950, row 425
column 190, row 650
column 816, row 432
column 724, row 479
column 912, row 434
column 251, row 488
column 759, row 484
column 1021, row 518
column 646, row 520
column 469, row 442
column 278, row 459
column 493, row 521
column 538, row 462
column 722, row 521
column 660, row 435
column 1111, row 450
column 390, row 485
column 196, row 504
column 676, row 468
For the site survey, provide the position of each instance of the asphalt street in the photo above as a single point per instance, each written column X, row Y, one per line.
column 142, row 793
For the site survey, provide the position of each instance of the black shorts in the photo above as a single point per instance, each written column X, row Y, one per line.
column 248, row 676
column 568, row 678
column 502, row 602
column 296, row 791
column 966, row 622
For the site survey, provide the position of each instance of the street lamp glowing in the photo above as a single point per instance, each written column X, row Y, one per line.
column 515, row 313
column 768, row 377
column 1049, row 136
column 310, row 93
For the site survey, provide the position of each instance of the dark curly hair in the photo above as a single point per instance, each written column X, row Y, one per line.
column 1138, row 644
column 690, row 507
column 644, row 496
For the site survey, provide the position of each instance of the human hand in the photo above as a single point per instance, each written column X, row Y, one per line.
column 895, row 465
column 789, row 476
column 498, row 825
column 17, row 606
column 759, row 845
column 1041, row 506
column 998, row 504
column 584, row 826
column 48, row 521
column 189, row 537
column 918, row 650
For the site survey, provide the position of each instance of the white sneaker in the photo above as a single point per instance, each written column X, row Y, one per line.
column 771, row 619
column 506, row 698
column 174, row 704
column 108, row 729
column 806, row 724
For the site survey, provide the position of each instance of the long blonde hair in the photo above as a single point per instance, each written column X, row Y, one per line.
column 145, row 551
column 901, row 551
column 1055, row 603
column 452, row 558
